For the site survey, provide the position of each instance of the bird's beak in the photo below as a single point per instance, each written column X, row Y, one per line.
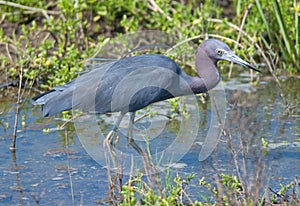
column 230, row 56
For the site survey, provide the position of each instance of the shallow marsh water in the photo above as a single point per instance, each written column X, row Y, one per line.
column 38, row 171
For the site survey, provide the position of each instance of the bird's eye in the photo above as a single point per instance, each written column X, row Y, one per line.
column 220, row 52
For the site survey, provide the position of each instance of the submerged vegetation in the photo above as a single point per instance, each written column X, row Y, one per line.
column 47, row 43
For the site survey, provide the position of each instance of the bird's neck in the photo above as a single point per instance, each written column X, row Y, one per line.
column 208, row 75
column 207, row 70
column 194, row 85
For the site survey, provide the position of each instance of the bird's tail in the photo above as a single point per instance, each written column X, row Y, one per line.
column 54, row 101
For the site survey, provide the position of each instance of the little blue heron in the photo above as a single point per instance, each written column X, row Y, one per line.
column 154, row 78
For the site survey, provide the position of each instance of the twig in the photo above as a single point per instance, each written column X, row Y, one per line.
column 81, row 35
column 47, row 35
column 14, row 137
column 155, row 7
column 202, row 36
column 7, row 45
column 2, row 18
column 130, row 174
column 70, row 120
column 227, row 132
column 244, row 183
column 43, row 11
column 239, row 37
column 8, row 53
column 147, row 114
column 10, row 83
column 279, row 87
column 111, row 180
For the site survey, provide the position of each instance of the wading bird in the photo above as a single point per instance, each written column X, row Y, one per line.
column 132, row 83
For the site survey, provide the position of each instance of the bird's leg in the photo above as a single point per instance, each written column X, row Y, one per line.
column 148, row 164
column 130, row 134
column 130, row 126
column 112, row 134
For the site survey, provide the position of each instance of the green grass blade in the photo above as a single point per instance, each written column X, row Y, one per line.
column 262, row 16
column 296, row 25
column 238, row 8
column 297, row 46
column 281, row 24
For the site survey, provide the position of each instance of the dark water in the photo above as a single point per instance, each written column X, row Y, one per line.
column 38, row 171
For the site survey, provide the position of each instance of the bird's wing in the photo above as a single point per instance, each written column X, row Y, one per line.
column 60, row 98
column 136, row 83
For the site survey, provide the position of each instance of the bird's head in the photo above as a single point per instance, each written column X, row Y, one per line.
column 217, row 50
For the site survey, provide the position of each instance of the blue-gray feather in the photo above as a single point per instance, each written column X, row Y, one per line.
column 94, row 91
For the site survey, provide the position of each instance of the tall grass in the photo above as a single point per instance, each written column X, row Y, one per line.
column 282, row 26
